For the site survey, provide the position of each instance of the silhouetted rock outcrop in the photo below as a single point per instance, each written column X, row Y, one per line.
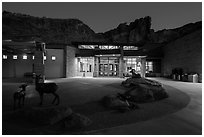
column 49, row 30
column 135, row 32
column 172, row 34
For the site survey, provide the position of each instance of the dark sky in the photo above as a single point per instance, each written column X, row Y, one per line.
column 104, row 16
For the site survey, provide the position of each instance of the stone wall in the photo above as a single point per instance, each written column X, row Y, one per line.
column 54, row 68
column 16, row 68
column 71, row 61
column 185, row 53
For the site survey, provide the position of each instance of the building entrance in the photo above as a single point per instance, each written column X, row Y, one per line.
column 109, row 66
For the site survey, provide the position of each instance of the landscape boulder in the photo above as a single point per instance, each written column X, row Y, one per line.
column 144, row 90
column 112, row 101
column 76, row 121
column 135, row 81
column 146, row 93
column 119, row 102
column 43, row 115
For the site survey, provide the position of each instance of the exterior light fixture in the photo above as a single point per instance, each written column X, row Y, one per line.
column 45, row 58
column 53, row 58
column 15, row 56
column 25, row 57
column 4, row 56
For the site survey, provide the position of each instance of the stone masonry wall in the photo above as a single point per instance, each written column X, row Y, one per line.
column 71, row 62
column 185, row 53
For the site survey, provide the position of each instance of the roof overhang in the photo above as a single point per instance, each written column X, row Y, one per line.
column 76, row 43
column 14, row 47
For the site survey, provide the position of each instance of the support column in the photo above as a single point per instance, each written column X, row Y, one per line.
column 121, row 62
column 96, row 67
column 143, row 67
column 39, row 65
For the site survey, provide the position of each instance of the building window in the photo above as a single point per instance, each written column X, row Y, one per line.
column 87, row 46
column 103, row 47
column 4, row 56
column 149, row 66
column 107, row 47
column 53, row 58
column 130, row 48
column 85, row 64
column 15, row 56
column 24, row 56
column 132, row 63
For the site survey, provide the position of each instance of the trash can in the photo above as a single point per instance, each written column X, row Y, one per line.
column 193, row 78
column 174, row 76
column 178, row 77
column 185, row 77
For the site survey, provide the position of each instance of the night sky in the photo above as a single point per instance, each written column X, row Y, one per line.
column 104, row 16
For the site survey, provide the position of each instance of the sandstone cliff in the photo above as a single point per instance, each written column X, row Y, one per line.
column 135, row 32
column 47, row 29
column 16, row 26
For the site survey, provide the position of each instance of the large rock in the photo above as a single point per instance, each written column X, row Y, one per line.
column 42, row 115
column 146, row 93
column 112, row 101
column 135, row 81
column 144, row 90
column 76, row 121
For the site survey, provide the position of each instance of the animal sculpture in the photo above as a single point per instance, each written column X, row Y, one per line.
column 48, row 88
column 20, row 96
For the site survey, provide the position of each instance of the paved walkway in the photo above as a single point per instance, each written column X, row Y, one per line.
column 76, row 91
column 187, row 121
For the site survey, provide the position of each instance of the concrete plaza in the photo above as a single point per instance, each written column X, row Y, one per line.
column 81, row 91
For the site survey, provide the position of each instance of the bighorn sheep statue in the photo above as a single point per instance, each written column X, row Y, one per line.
column 46, row 88
column 20, row 96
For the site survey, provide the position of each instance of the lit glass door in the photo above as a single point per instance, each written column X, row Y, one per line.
column 108, row 66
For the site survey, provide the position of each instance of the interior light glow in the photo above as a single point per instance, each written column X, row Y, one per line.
column 4, row 56
column 25, row 57
column 53, row 58
column 15, row 56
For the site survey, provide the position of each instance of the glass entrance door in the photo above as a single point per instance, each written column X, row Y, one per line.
column 108, row 66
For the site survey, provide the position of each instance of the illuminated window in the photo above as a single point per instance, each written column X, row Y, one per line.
column 33, row 57
column 149, row 66
column 15, row 57
column 53, row 58
column 45, row 57
column 4, row 56
column 85, row 64
column 132, row 63
column 87, row 46
column 130, row 48
column 24, row 56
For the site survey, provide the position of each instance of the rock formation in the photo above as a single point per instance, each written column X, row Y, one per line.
column 49, row 30
column 135, row 32
column 165, row 35
column 61, row 116
column 144, row 90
